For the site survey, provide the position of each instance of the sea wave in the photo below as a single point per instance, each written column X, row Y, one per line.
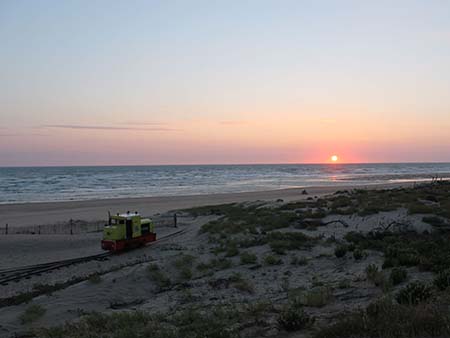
column 38, row 184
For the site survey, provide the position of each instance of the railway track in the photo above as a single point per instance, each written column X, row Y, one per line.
column 25, row 272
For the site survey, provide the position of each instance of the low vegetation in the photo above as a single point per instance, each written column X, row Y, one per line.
column 300, row 261
column 184, row 264
column 239, row 283
column 398, row 276
column 372, row 273
column 340, row 251
column 317, row 297
column 427, row 251
column 294, row 318
column 272, row 260
column 215, row 264
column 414, row 293
column 442, row 280
column 386, row 318
column 32, row 313
column 158, row 276
column 95, row 278
column 248, row 258
column 358, row 254
column 434, row 221
column 280, row 242
column 274, row 242
column 217, row 322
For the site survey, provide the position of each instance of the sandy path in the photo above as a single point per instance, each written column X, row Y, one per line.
column 54, row 212
column 20, row 250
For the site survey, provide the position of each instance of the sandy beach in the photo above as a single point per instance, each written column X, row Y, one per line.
column 30, row 214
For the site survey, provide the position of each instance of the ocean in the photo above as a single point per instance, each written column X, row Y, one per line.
column 43, row 184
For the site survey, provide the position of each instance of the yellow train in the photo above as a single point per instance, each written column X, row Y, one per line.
column 126, row 231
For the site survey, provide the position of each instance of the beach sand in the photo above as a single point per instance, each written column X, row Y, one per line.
column 32, row 214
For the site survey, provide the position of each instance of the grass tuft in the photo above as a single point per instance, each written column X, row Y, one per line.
column 32, row 313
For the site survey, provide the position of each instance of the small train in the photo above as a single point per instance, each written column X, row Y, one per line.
column 127, row 231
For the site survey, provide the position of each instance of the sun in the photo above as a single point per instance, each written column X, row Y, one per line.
column 334, row 158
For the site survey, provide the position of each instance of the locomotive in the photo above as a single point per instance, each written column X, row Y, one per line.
column 126, row 231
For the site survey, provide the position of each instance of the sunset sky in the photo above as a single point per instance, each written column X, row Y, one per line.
column 182, row 82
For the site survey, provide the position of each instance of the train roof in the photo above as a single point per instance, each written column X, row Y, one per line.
column 127, row 214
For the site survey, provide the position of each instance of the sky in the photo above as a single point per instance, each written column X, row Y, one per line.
column 221, row 82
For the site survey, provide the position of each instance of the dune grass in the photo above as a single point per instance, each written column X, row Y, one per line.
column 32, row 313
column 386, row 318
column 190, row 323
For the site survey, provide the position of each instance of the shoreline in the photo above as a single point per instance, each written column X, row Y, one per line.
column 40, row 213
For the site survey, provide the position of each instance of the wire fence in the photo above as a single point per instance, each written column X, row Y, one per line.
column 73, row 227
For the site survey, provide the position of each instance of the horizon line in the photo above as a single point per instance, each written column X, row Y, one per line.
column 215, row 164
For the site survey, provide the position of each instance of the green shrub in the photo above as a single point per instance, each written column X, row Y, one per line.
column 186, row 296
column 217, row 322
column 184, row 265
column 340, row 251
column 294, row 318
column 153, row 267
column 319, row 213
column 442, row 280
column 341, row 202
column 32, row 313
column 372, row 272
column 385, row 319
column 344, row 284
column 280, row 242
column 389, row 262
column 408, row 257
column 414, row 293
column 398, row 275
column 95, row 278
column 272, row 260
column 248, row 258
column 158, row 276
column 377, row 277
column 255, row 310
column 238, row 218
column 183, row 260
column 358, row 254
column 186, row 273
column 419, row 208
column 428, row 251
column 231, row 250
column 317, row 297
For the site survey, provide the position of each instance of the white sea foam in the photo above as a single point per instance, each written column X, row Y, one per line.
column 83, row 183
